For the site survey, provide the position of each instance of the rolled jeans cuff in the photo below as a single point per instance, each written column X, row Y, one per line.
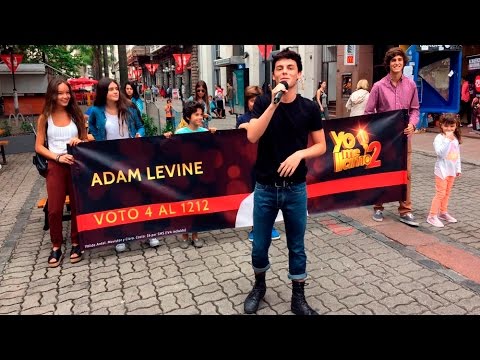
column 260, row 270
column 297, row 277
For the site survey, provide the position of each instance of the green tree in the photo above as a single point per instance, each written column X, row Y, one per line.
column 150, row 128
column 58, row 56
column 62, row 57
column 85, row 54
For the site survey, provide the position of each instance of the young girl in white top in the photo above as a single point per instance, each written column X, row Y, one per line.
column 447, row 168
column 62, row 123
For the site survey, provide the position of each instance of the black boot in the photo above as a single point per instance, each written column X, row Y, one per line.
column 258, row 292
column 299, row 304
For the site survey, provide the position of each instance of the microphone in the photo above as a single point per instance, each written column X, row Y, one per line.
column 279, row 94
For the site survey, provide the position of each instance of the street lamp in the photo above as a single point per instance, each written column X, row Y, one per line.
column 15, row 94
column 167, row 69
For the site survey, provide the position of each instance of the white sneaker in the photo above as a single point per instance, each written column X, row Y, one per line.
column 435, row 221
column 447, row 217
column 154, row 242
column 121, row 247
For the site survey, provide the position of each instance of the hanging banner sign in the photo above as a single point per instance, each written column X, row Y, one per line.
column 181, row 61
column 265, row 49
column 7, row 59
column 151, row 68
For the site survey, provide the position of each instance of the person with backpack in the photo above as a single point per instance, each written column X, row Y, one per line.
column 65, row 122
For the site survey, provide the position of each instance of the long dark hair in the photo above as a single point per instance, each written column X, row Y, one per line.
column 135, row 94
column 101, row 98
column 72, row 108
column 202, row 84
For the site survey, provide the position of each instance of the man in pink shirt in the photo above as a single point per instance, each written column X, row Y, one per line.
column 395, row 92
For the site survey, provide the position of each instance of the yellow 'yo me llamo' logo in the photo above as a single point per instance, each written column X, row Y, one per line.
column 346, row 156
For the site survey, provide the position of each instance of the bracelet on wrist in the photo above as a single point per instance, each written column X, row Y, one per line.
column 57, row 159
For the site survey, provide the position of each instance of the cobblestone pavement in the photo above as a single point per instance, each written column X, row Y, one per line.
column 353, row 267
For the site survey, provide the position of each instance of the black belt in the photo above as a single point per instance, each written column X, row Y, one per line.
column 281, row 183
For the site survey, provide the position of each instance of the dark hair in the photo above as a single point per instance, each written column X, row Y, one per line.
column 391, row 53
column 101, row 98
column 287, row 54
column 135, row 94
column 189, row 108
column 72, row 108
column 202, row 84
column 320, row 83
column 451, row 119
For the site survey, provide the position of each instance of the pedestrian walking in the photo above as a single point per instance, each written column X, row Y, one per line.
column 358, row 100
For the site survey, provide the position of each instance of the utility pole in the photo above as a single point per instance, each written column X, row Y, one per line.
column 15, row 94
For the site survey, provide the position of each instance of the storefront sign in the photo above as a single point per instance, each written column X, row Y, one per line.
column 349, row 57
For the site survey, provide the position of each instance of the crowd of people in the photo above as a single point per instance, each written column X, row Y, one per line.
column 280, row 169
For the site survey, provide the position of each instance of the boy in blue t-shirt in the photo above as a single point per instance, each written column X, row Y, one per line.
column 193, row 115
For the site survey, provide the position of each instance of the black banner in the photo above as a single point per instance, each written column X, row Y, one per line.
column 135, row 189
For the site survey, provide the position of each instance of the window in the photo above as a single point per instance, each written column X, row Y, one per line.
column 238, row 50
column 329, row 53
column 217, row 77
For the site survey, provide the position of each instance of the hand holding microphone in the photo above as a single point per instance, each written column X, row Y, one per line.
column 279, row 94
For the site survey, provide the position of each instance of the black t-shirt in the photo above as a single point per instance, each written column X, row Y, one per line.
column 286, row 133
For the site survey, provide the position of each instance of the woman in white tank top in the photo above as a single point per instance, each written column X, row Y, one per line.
column 62, row 123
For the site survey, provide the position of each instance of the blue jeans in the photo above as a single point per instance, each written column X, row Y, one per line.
column 423, row 121
column 292, row 200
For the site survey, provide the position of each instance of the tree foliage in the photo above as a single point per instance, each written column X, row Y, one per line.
column 66, row 58
column 58, row 56
column 150, row 128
